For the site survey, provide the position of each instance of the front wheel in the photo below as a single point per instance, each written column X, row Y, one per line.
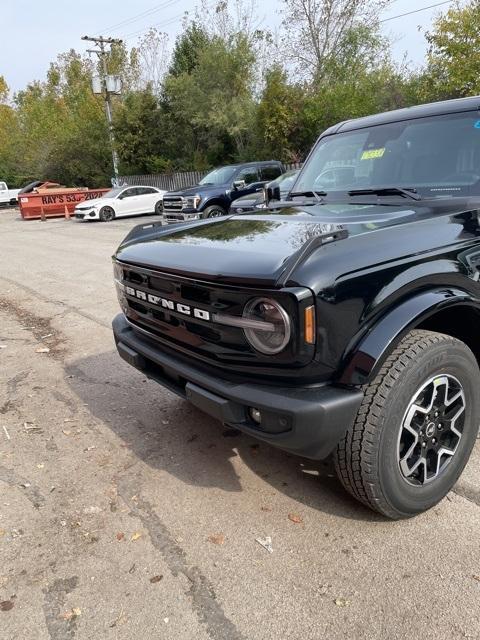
column 416, row 427
column 214, row 211
column 107, row 214
column 159, row 208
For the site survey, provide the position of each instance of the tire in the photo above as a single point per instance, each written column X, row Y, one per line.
column 159, row 208
column 107, row 214
column 378, row 459
column 214, row 211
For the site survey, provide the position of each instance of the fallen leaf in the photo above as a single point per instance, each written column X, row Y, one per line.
column 217, row 538
column 165, row 620
column 295, row 518
column 156, row 579
column 477, row 578
column 40, row 466
column 93, row 509
column 90, row 448
column 120, row 535
column 42, row 350
column 265, row 508
column 342, row 602
column 136, row 536
column 6, row 605
column 72, row 614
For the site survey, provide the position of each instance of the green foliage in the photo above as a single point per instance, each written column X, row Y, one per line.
column 454, row 53
column 224, row 95
column 187, row 49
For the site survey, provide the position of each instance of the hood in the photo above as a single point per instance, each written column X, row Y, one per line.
column 200, row 189
column 249, row 200
column 88, row 204
column 255, row 249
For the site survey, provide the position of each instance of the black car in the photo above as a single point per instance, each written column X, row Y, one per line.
column 343, row 322
column 257, row 200
column 215, row 193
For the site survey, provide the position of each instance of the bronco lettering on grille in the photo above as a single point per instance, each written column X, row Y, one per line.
column 185, row 309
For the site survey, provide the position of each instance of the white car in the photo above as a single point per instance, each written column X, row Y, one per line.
column 8, row 196
column 121, row 201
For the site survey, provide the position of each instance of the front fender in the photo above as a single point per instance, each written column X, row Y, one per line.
column 365, row 357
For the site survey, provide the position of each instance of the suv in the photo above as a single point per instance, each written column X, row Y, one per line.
column 345, row 320
column 214, row 194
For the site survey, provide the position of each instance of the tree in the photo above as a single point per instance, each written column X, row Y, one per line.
column 454, row 52
column 187, row 49
column 315, row 31
column 278, row 118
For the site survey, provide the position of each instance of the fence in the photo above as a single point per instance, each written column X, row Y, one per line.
column 180, row 180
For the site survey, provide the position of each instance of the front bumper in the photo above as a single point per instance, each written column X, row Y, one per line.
column 307, row 421
column 186, row 215
column 86, row 214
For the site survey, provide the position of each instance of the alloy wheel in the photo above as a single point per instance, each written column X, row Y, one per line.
column 431, row 430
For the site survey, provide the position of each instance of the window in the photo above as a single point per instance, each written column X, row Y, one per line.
column 3, row 186
column 144, row 191
column 437, row 155
column 248, row 175
column 270, row 172
column 128, row 193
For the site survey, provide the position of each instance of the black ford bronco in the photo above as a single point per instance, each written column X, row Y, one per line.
column 343, row 321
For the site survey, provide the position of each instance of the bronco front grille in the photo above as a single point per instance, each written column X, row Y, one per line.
column 180, row 311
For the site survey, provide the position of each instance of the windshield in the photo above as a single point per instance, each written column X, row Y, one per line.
column 436, row 156
column 223, row 175
column 113, row 193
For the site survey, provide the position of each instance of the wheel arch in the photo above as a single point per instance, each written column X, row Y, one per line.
column 450, row 311
column 215, row 200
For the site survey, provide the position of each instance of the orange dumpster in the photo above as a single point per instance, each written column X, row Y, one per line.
column 55, row 202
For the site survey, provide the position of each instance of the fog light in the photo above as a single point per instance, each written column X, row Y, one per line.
column 255, row 415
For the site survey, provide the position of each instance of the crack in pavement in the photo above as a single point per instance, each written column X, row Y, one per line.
column 59, row 628
column 202, row 593
column 67, row 308
column 30, row 491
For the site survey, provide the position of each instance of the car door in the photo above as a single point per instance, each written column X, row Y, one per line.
column 127, row 202
column 251, row 182
column 147, row 198
column 3, row 192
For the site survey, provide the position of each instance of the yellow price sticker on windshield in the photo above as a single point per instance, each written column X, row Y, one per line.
column 372, row 153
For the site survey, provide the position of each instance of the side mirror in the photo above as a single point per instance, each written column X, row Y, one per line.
column 272, row 193
column 239, row 184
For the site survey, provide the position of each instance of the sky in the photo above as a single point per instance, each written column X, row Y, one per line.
column 34, row 31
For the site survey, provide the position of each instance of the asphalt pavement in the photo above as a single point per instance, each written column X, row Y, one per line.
column 125, row 513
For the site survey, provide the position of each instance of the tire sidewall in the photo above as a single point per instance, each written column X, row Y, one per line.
column 451, row 358
column 210, row 210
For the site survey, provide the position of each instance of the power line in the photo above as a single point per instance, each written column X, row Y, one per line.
column 139, row 16
column 165, row 23
column 409, row 13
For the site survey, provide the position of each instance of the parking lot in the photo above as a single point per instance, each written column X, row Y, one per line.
column 126, row 513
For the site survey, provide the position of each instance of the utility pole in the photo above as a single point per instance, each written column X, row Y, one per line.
column 102, row 54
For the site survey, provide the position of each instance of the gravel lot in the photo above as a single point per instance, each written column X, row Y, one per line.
column 125, row 513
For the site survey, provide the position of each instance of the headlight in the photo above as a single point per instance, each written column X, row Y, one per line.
column 273, row 331
column 119, row 286
column 193, row 201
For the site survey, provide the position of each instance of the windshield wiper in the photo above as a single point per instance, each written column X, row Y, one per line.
column 318, row 195
column 387, row 191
